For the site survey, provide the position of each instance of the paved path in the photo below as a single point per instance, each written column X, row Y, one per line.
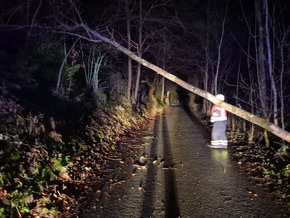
column 178, row 176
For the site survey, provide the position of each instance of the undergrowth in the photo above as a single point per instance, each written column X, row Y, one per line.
column 268, row 166
column 47, row 163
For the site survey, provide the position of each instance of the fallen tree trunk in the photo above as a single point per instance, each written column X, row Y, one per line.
column 274, row 129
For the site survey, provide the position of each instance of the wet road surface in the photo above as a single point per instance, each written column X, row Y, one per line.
column 175, row 175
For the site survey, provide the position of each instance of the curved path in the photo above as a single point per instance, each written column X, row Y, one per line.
column 176, row 175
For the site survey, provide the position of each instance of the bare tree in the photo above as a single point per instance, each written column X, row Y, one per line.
column 220, row 43
column 211, row 53
column 92, row 65
column 57, row 88
column 282, row 46
column 269, row 62
column 128, row 26
column 145, row 17
column 280, row 33
column 140, row 48
column 261, row 69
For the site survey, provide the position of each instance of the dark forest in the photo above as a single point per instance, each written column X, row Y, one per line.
column 78, row 75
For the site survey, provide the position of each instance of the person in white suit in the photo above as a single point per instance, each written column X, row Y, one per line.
column 219, row 120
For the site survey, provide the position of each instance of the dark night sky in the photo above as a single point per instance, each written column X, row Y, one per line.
column 191, row 13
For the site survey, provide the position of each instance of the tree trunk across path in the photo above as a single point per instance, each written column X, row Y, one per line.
column 176, row 175
column 94, row 36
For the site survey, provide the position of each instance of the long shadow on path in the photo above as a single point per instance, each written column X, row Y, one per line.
column 170, row 202
column 182, row 178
